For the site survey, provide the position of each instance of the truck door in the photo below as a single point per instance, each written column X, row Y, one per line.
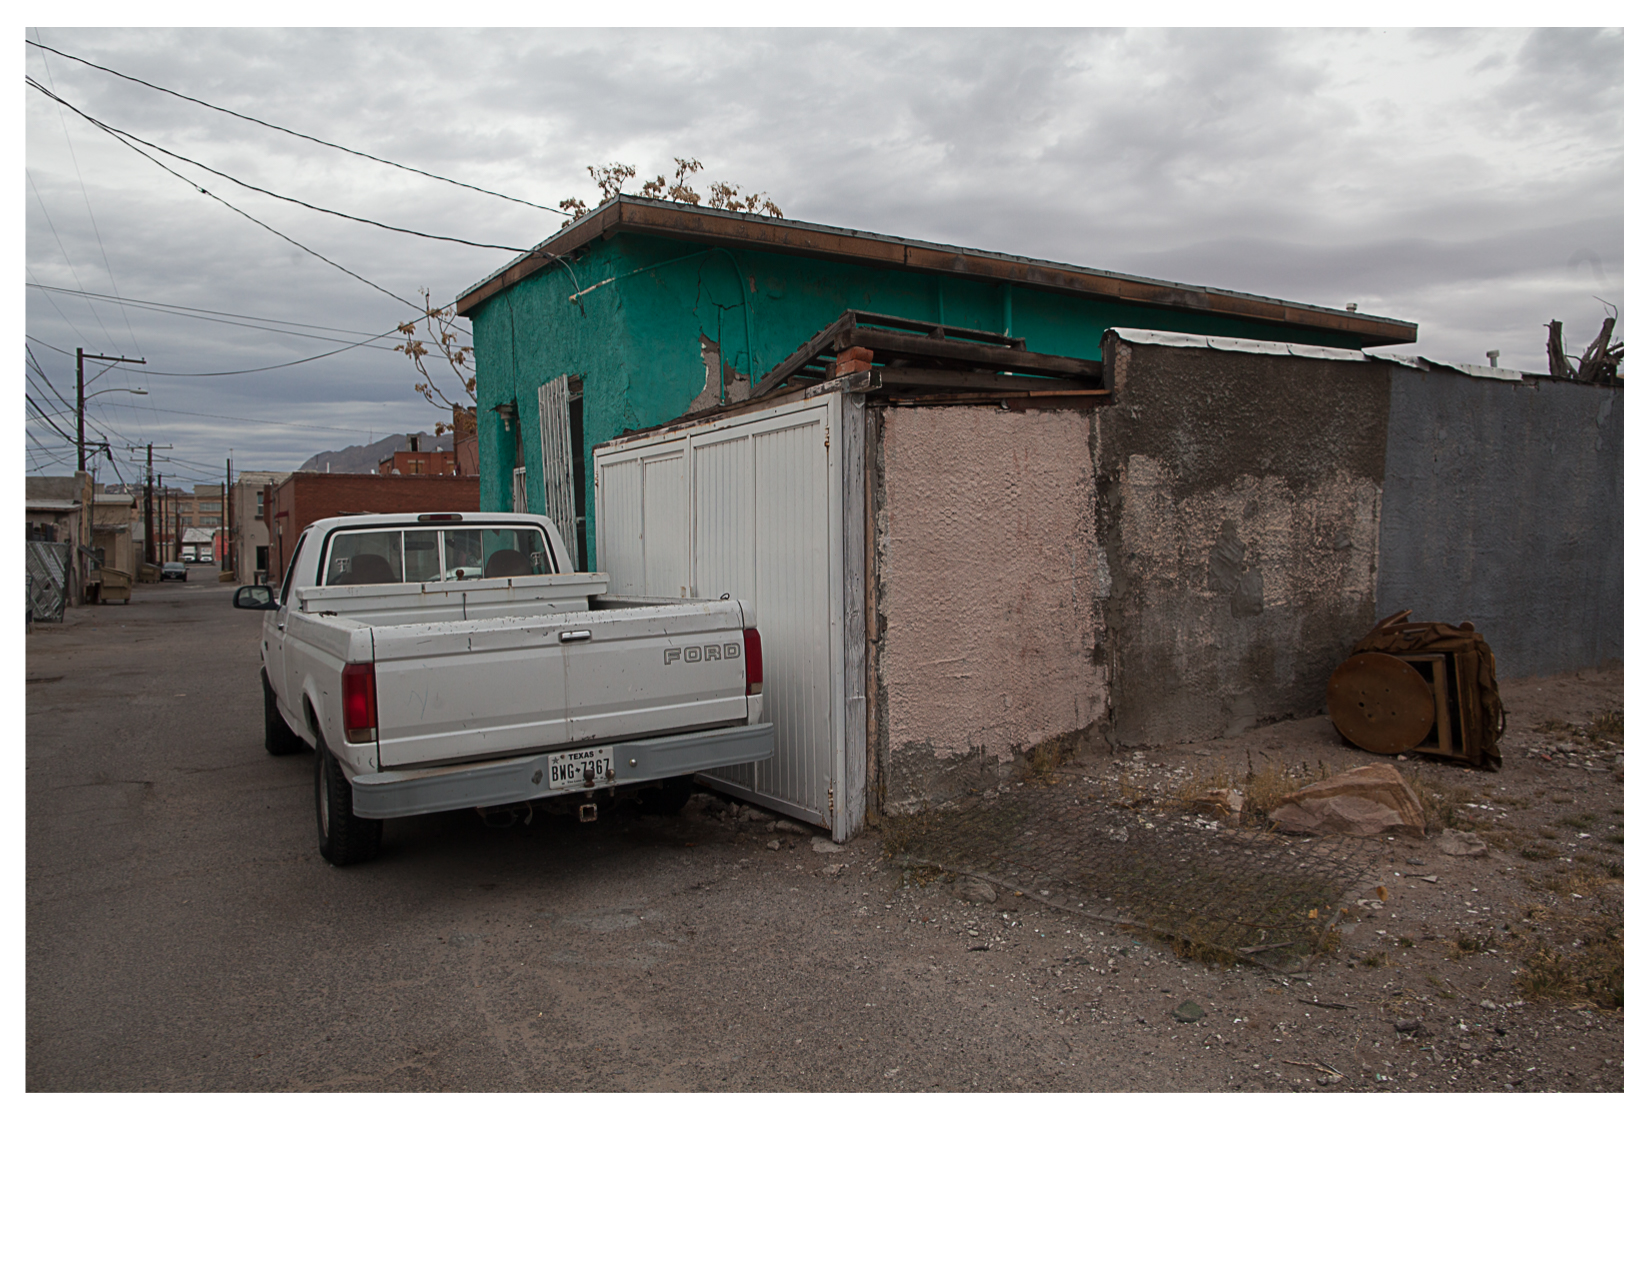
column 275, row 635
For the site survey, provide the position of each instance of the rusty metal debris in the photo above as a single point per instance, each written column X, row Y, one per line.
column 1370, row 700
column 1381, row 703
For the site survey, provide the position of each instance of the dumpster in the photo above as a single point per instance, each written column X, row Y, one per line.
column 116, row 586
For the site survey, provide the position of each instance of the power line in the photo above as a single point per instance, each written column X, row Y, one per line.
column 252, row 119
column 294, row 363
column 86, row 197
column 291, row 199
column 68, row 260
column 45, row 418
column 114, row 133
column 356, row 345
column 121, row 136
column 254, row 420
column 190, row 311
column 41, row 372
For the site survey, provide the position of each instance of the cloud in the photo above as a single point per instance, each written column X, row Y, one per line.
column 1471, row 180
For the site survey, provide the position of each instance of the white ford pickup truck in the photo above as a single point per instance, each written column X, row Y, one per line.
column 443, row 661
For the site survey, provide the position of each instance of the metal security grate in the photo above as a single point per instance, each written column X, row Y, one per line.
column 1220, row 893
column 48, row 572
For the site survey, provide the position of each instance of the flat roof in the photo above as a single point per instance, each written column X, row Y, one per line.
column 721, row 228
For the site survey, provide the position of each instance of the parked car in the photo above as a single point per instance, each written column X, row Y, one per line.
column 522, row 681
column 174, row 571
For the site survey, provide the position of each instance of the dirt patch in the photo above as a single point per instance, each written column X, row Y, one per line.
column 1489, row 956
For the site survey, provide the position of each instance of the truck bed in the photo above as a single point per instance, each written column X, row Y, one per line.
column 476, row 669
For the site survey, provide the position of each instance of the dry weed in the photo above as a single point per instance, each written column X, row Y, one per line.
column 1608, row 725
column 1441, row 802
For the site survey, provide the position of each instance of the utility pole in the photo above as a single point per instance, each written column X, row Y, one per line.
column 80, row 357
column 150, row 554
column 228, row 517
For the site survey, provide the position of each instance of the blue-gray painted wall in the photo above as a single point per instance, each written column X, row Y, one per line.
column 1502, row 504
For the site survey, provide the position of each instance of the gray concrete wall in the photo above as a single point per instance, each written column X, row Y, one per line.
column 1239, row 508
column 1503, row 506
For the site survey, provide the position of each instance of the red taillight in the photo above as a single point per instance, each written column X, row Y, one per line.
column 360, row 704
column 753, row 662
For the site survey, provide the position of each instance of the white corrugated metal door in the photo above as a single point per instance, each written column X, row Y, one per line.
column 753, row 507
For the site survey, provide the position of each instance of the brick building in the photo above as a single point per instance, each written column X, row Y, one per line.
column 305, row 496
column 415, row 462
column 181, row 509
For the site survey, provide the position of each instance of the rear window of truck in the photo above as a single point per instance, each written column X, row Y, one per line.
column 412, row 555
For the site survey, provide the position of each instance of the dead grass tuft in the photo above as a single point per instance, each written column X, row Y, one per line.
column 1580, row 880
column 1047, row 757
column 1595, row 973
column 1608, row 725
column 1441, row 802
column 1469, row 945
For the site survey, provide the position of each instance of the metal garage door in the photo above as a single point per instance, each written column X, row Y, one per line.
column 767, row 508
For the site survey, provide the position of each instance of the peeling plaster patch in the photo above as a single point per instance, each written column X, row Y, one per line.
column 991, row 567
column 736, row 387
column 1226, row 561
column 1249, row 598
column 1225, row 655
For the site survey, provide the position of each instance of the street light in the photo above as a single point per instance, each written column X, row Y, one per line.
column 80, row 357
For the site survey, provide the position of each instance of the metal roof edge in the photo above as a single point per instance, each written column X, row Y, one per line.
column 1234, row 345
column 722, row 227
column 1476, row 370
column 1239, row 345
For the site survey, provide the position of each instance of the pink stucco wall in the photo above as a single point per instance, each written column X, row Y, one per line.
column 988, row 567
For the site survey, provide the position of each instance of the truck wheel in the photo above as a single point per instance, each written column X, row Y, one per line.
column 345, row 838
column 667, row 799
column 279, row 739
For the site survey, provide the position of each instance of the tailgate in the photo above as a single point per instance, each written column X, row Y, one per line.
column 653, row 670
column 449, row 692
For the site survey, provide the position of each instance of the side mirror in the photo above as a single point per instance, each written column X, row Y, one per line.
column 256, row 597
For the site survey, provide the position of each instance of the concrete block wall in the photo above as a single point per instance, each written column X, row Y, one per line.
column 1503, row 505
column 1240, row 505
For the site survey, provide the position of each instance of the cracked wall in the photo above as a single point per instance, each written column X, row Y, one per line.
column 1240, row 501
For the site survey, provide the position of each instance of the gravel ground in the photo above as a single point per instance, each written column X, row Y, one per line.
column 183, row 934
column 1496, row 971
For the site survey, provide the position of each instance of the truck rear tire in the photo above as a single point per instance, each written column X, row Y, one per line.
column 280, row 740
column 345, row 838
column 668, row 798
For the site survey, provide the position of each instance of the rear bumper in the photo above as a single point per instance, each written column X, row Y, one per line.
column 393, row 794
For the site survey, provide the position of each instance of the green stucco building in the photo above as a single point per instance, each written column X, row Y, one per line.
column 652, row 310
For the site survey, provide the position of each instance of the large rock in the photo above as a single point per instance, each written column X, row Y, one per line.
column 1370, row 801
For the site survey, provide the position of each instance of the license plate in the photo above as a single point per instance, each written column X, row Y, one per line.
column 581, row 768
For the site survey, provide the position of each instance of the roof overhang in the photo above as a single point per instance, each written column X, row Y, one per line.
column 719, row 228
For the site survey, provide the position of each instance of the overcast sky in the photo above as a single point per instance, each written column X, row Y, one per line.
column 1469, row 181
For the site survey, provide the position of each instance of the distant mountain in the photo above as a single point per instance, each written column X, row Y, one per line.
column 364, row 460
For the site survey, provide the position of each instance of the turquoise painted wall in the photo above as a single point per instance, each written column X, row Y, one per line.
column 635, row 340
